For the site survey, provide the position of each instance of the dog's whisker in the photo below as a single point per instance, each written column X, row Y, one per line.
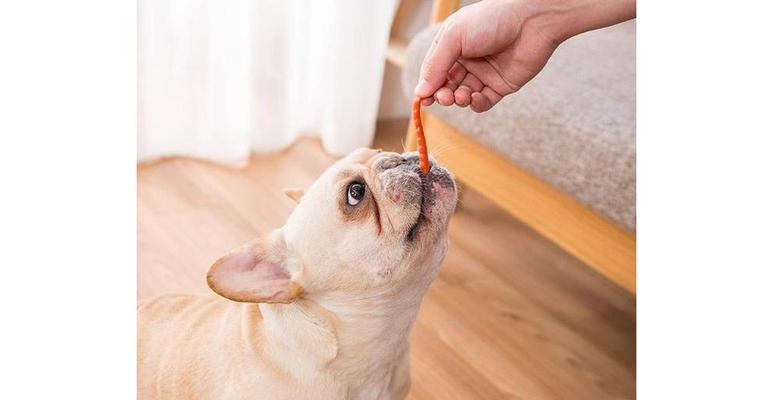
column 435, row 153
column 440, row 148
column 444, row 145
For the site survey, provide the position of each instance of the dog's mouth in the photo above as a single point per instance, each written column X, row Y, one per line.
column 422, row 216
column 437, row 196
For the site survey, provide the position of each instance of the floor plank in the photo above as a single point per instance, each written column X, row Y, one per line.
column 511, row 315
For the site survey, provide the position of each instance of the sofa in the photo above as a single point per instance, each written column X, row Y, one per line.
column 559, row 154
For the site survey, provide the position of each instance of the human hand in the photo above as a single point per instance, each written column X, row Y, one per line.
column 490, row 49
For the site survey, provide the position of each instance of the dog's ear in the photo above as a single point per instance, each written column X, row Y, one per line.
column 255, row 273
column 295, row 194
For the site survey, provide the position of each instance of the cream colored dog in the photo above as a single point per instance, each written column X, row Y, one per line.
column 322, row 307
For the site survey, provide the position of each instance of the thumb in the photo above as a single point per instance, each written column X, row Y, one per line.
column 446, row 49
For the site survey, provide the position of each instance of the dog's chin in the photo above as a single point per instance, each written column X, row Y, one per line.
column 438, row 201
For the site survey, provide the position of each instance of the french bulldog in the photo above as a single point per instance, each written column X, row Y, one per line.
column 320, row 308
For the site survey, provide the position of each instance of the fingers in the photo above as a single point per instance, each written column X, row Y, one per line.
column 445, row 95
column 484, row 100
column 470, row 84
column 456, row 76
column 485, row 70
column 471, row 93
column 473, row 82
column 479, row 103
column 441, row 56
column 462, row 96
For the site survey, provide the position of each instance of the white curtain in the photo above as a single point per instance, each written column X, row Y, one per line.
column 218, row 79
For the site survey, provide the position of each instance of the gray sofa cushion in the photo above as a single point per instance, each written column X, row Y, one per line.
column 573, row 126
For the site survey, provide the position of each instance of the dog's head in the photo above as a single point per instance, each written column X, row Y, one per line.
column 371, row 222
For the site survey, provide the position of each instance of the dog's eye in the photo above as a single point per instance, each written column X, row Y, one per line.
column 355, row 193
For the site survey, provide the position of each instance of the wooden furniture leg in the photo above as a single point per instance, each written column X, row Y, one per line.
column 441, row 9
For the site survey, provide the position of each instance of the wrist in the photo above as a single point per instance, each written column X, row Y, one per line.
column 559, row 20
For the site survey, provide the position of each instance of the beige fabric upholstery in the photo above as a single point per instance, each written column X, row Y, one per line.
column 573, row 126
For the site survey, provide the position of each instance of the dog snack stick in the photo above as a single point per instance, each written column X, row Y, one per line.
column 421, row 141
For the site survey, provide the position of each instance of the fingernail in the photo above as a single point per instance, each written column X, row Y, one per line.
column 422, row 89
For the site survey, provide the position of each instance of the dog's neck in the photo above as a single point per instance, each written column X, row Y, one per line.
column 364, row 337
column 371, row 327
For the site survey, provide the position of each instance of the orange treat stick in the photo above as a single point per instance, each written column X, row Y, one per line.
column 421, row 141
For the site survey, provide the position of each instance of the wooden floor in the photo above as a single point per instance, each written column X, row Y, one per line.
column 511, row 315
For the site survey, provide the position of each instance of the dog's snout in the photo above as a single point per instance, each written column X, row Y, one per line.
column 404, row 162
column 391, row 162
column 412, row 160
